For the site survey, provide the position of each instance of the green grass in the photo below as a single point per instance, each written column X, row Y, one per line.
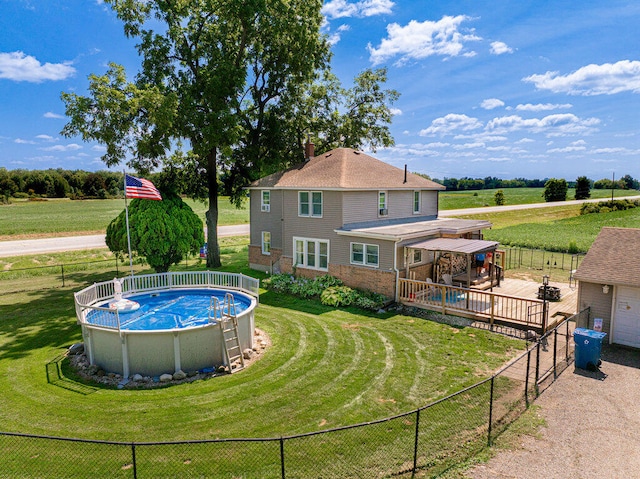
column 326, row 368
column 453, row 200
column 52, row 217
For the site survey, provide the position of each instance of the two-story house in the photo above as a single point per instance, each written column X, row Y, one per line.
column 357, row 218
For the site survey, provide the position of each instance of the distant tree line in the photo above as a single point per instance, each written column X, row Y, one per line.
column 627, row 182
column 60, row 183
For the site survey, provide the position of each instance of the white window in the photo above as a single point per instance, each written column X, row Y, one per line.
column 416, row 256
column 311, row 253
column 416, row 202
column 310, row 203
column 382, row 203
column 266, row 242
column 265, row 204
column 365, row 254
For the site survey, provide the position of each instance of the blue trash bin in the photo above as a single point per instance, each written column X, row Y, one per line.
column 588, row 347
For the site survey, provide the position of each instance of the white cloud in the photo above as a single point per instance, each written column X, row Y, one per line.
column 451, row 122
column 605, row 79
column 100, row 148
column 395, row 111
column 543, row 106
column 20, row 141
column 363, row 8
column 46, row 138
column 337, row 36
column 525, row 140
column 50, row 114
column 418, row 40
column 499, row 48
column 492, row 160
column 567, row 149
column 491, row 103
column 551, row 125
column 69, row 147
column 17, row 66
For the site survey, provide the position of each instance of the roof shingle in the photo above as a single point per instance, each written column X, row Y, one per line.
column 345, row 168
column 614, row 258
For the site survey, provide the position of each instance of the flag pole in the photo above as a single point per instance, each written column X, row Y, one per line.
column 126, row 209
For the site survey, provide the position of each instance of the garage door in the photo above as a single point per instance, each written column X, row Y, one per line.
column 626, row 322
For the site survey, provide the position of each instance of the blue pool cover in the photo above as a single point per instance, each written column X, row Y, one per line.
column 171, row 309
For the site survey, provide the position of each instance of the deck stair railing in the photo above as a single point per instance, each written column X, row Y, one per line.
column 227, row 316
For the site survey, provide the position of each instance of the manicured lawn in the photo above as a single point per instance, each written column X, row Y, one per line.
column 326, row 368
column 52, row 217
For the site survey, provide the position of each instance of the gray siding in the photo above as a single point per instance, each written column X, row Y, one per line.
column 308, row 226
column 266, row 221
column 362, row 206
column 342, row 255
column 591, row 295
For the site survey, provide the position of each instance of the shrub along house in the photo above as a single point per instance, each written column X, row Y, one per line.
column 347, row 214
column 609, row 284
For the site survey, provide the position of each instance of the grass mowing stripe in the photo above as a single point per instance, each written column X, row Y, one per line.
column 379, row 379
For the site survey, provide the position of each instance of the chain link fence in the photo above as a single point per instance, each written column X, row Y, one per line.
column 428, row 440
column 539, row 259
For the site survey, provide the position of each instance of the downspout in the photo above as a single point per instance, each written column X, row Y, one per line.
column 395, row 268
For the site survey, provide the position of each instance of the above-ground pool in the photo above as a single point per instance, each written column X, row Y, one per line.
column 168, row 322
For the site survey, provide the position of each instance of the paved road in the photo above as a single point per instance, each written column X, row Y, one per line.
column 70, row 243
column 51, row 245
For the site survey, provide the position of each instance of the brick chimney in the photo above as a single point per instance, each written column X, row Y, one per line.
column 309, row 150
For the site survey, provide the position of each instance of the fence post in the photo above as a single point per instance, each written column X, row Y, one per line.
column 555, row 352
column 282, row 456
column 62, row 271
column 415, row 445
column 133, row 460
column 490, row 412
column 526, row 379
column 566, row 344
column 537, row 365
column 117, row 272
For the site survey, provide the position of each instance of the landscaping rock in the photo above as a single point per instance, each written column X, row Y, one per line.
column 247, row 353
column 77, row 348
column 165, row 378
column 137, row 377
column 178, row 375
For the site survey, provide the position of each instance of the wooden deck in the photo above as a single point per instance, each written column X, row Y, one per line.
column 514, row 303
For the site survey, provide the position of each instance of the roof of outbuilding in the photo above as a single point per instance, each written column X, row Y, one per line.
column 614, row 258
column 345, row 168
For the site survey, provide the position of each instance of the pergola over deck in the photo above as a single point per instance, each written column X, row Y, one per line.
column 467, row 249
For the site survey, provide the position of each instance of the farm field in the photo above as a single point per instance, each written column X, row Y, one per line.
column 34, row 219
column 453, row 200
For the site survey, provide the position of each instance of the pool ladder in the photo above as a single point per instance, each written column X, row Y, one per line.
column 229, row 327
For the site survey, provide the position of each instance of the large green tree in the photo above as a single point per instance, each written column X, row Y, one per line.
column 555, row 189
column 199, row 58
column 164, row 232
column 583, row 188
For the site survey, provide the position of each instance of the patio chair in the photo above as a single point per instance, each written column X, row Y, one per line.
column 447, row 279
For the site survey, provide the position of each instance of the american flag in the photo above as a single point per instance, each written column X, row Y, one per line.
column 140, row 188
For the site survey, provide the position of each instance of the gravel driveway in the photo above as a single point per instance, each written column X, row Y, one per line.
column 593, row 426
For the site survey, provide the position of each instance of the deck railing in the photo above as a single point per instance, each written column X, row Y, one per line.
column 86, row 299
column 481, row 305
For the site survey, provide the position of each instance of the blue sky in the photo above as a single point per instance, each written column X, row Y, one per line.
column 533, row 89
